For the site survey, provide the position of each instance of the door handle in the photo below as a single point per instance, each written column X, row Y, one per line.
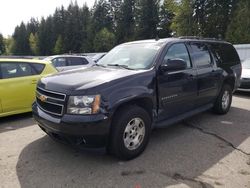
column 34, row 81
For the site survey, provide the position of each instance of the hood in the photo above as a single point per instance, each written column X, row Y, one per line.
column 245, row 73
column 80, row 79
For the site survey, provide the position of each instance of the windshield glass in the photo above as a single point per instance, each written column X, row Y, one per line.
column 246, row 64
column 132, row 56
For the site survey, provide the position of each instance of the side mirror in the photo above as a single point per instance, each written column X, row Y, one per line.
column 173, row 65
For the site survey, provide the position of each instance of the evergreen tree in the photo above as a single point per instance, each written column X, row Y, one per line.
column 104, row 40
column 212, row 17
column 183, row 23
column 33, row 42
column 73, row 29
column 147, row 18
column 8, row 45
column 102, row 17
column 166, row 16
column 239, row 28
column 2, row 45
column 21, row 41
column 46, row 37
column 85, row 19
column 32, row 26
column 126, row 22
column 58, row 49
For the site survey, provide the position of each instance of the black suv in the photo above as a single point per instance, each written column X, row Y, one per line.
column 136, row 87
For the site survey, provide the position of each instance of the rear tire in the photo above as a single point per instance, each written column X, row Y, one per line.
column 224, row 100
column 130, row 132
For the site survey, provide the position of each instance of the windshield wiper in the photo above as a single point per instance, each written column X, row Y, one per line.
column 99, row 65
column 122, row 66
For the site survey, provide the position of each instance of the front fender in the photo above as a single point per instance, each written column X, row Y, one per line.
column 129, row 94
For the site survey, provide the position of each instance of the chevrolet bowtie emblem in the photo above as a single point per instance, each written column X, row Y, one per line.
column 43, row 98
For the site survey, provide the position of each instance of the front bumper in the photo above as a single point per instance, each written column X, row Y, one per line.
column 84, row 130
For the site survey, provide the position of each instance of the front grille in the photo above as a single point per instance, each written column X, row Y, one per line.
column 50, row 102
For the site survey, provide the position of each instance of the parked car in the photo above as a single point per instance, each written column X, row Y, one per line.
column 18, row 79
column 136, row 87
column 245, row 77
column 98, row 56
column 69, row 62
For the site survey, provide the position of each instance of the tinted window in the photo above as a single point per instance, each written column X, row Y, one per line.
column 74, row 61
column 225, row 53
column 59, row 62
column 13, row 70
column 178, row 51
column 200, row 54
column 38, row 68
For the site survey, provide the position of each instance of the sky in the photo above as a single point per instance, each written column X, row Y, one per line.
column 13, row 12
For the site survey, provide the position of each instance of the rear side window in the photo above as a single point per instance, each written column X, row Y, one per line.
column 37, row 67
column 74, row 61
column 14, row 70
column 59, row 62
column 200, row 54
column 225, row 53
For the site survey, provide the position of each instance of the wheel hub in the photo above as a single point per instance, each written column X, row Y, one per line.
column 134, row 134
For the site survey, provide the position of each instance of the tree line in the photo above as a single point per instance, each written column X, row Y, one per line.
column 79, row 29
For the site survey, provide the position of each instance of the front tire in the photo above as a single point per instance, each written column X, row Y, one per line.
column 130, row 132
column 224, row 100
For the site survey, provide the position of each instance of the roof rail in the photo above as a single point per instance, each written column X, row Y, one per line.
column 197, row 37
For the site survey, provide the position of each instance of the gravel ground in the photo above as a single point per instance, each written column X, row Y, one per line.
column 204, row 151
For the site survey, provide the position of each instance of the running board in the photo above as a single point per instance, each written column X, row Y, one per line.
column 173, row 120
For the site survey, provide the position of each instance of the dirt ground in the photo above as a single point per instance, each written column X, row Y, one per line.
column 204, row 151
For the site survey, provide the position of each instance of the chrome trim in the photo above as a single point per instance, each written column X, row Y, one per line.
column 50, row 111
column 54, row 93
column 37, row 92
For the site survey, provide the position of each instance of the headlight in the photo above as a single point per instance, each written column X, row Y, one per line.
column 84, row 104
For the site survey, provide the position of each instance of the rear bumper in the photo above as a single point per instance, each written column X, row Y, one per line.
column 87, row 131
column 244, row 84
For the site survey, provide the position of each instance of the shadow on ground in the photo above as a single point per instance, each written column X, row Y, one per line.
column 16, row 122
column 178, row 154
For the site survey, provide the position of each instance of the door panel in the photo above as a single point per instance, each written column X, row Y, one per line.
column 17, row 86
column 207, row 73
column 17, row 93
column 177, row 90
column 177, row 93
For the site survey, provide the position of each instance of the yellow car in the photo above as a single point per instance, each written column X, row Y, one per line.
column 18, row 79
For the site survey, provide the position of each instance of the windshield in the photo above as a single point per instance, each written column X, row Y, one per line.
column 246, row 64
column 132, row 56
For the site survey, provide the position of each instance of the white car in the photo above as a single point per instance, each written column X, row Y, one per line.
column 245, row 75
column 69, row 62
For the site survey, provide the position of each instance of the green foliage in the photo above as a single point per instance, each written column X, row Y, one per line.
column 147, row 18
column 126, row 23
column 239, row 28
column 110, row 22
column 104, row 40
column 9, row 42
column 33, row 42
column 58, row 49
column 2, row 45
column 21, row 41
column 183, row 23
column 213, row 17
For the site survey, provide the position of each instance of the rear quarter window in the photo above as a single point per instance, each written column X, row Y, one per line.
column 37, row 67
column 74, row 61
column 225, row 53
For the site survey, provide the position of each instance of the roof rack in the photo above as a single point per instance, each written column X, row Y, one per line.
column 197, row 37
